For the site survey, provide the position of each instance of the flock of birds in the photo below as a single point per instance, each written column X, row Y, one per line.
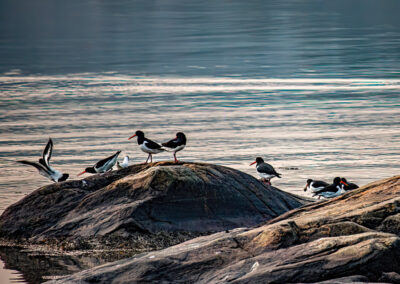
column 265, row 170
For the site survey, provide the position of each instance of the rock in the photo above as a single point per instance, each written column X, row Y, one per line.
column 343, row 238
column 390, row 277
column 349, row 279
column 143, row 207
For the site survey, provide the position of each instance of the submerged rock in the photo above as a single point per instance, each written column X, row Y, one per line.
column 353, row 237
column 148, row 206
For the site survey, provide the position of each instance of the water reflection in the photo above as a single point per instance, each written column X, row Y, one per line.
column 34, row 267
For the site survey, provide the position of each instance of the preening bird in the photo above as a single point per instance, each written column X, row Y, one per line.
column 44, row 167
column 177, row 144
column 103, row 165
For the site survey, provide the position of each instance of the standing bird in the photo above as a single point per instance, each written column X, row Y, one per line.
column 124, row 164
column 350, row 185
column 103, row 165
column 332, row 190
column 44, row 167
column 315, row 185
column 146, row 145
column 177, row 144
column 265, row 170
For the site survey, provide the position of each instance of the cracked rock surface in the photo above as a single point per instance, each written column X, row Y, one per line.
column 143, row 207
column 352, row 238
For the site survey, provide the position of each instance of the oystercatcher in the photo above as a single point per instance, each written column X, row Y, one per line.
column 265, row 170
column 315, row 185
column 177, row 144
column 332, row 190
column 44, row 167
column 124, row 164
column 349, row 185
column 103, row 165
column 146, row 145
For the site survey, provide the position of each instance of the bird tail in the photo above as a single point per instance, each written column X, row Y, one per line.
column 278, row 175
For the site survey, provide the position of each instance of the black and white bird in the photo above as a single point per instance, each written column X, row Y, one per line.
column 103, row 165
column 315, row 185
column 44, row 167
column 147, row 146
column 265, row 170
column 349, row 185
column 332, row 190
column 124, row 164
column 177, row 144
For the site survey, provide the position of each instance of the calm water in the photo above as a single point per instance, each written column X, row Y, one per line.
column 312, row 85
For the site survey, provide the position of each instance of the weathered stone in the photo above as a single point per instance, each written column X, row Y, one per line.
column 325, row 241
column 143, row 207
column 390, row 277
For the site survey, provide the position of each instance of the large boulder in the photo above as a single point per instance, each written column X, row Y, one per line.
column 354, row 237
column 147, row 206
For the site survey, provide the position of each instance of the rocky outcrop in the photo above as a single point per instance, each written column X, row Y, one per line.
column 354, row 237
column 143, row 207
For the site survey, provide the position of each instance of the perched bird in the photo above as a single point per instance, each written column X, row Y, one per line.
column 103, row 165
column 332, row 190
column 124, row 164
column 177, row 144
column 44, row 167
column 265, row 170
column 349, row 185
column 315, row 185
column 146, row 145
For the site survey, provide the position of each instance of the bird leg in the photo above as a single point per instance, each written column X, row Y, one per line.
column 147, row 158
column 266, row 181
column 151, row 158
column 175, row 158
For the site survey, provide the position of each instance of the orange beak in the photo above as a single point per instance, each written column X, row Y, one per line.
column 342, row 182
column 253, row 163
column 131, row 137
column 81, row 173
column 305, row 189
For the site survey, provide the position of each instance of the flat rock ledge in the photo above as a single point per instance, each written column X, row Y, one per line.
column 352, row 238
column 142, row 207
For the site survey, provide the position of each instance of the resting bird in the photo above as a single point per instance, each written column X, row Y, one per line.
column 103, row 165
column 177, row 144
column 350, row 185
column 265, row 170
column 332, row 190
column 124, row 164
column 44, row 167
column 315, row 185
column 146, row 145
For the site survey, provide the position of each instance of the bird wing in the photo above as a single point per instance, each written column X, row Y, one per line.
column 267, row 169
column 319, row 183
column 329, row 188
column 42, row 170
column 102, row 162
column 48, row 150
column 151, row 144
column 173, row 143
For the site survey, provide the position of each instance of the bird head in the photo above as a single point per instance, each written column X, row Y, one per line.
column 138, row 133
column 258, row 160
